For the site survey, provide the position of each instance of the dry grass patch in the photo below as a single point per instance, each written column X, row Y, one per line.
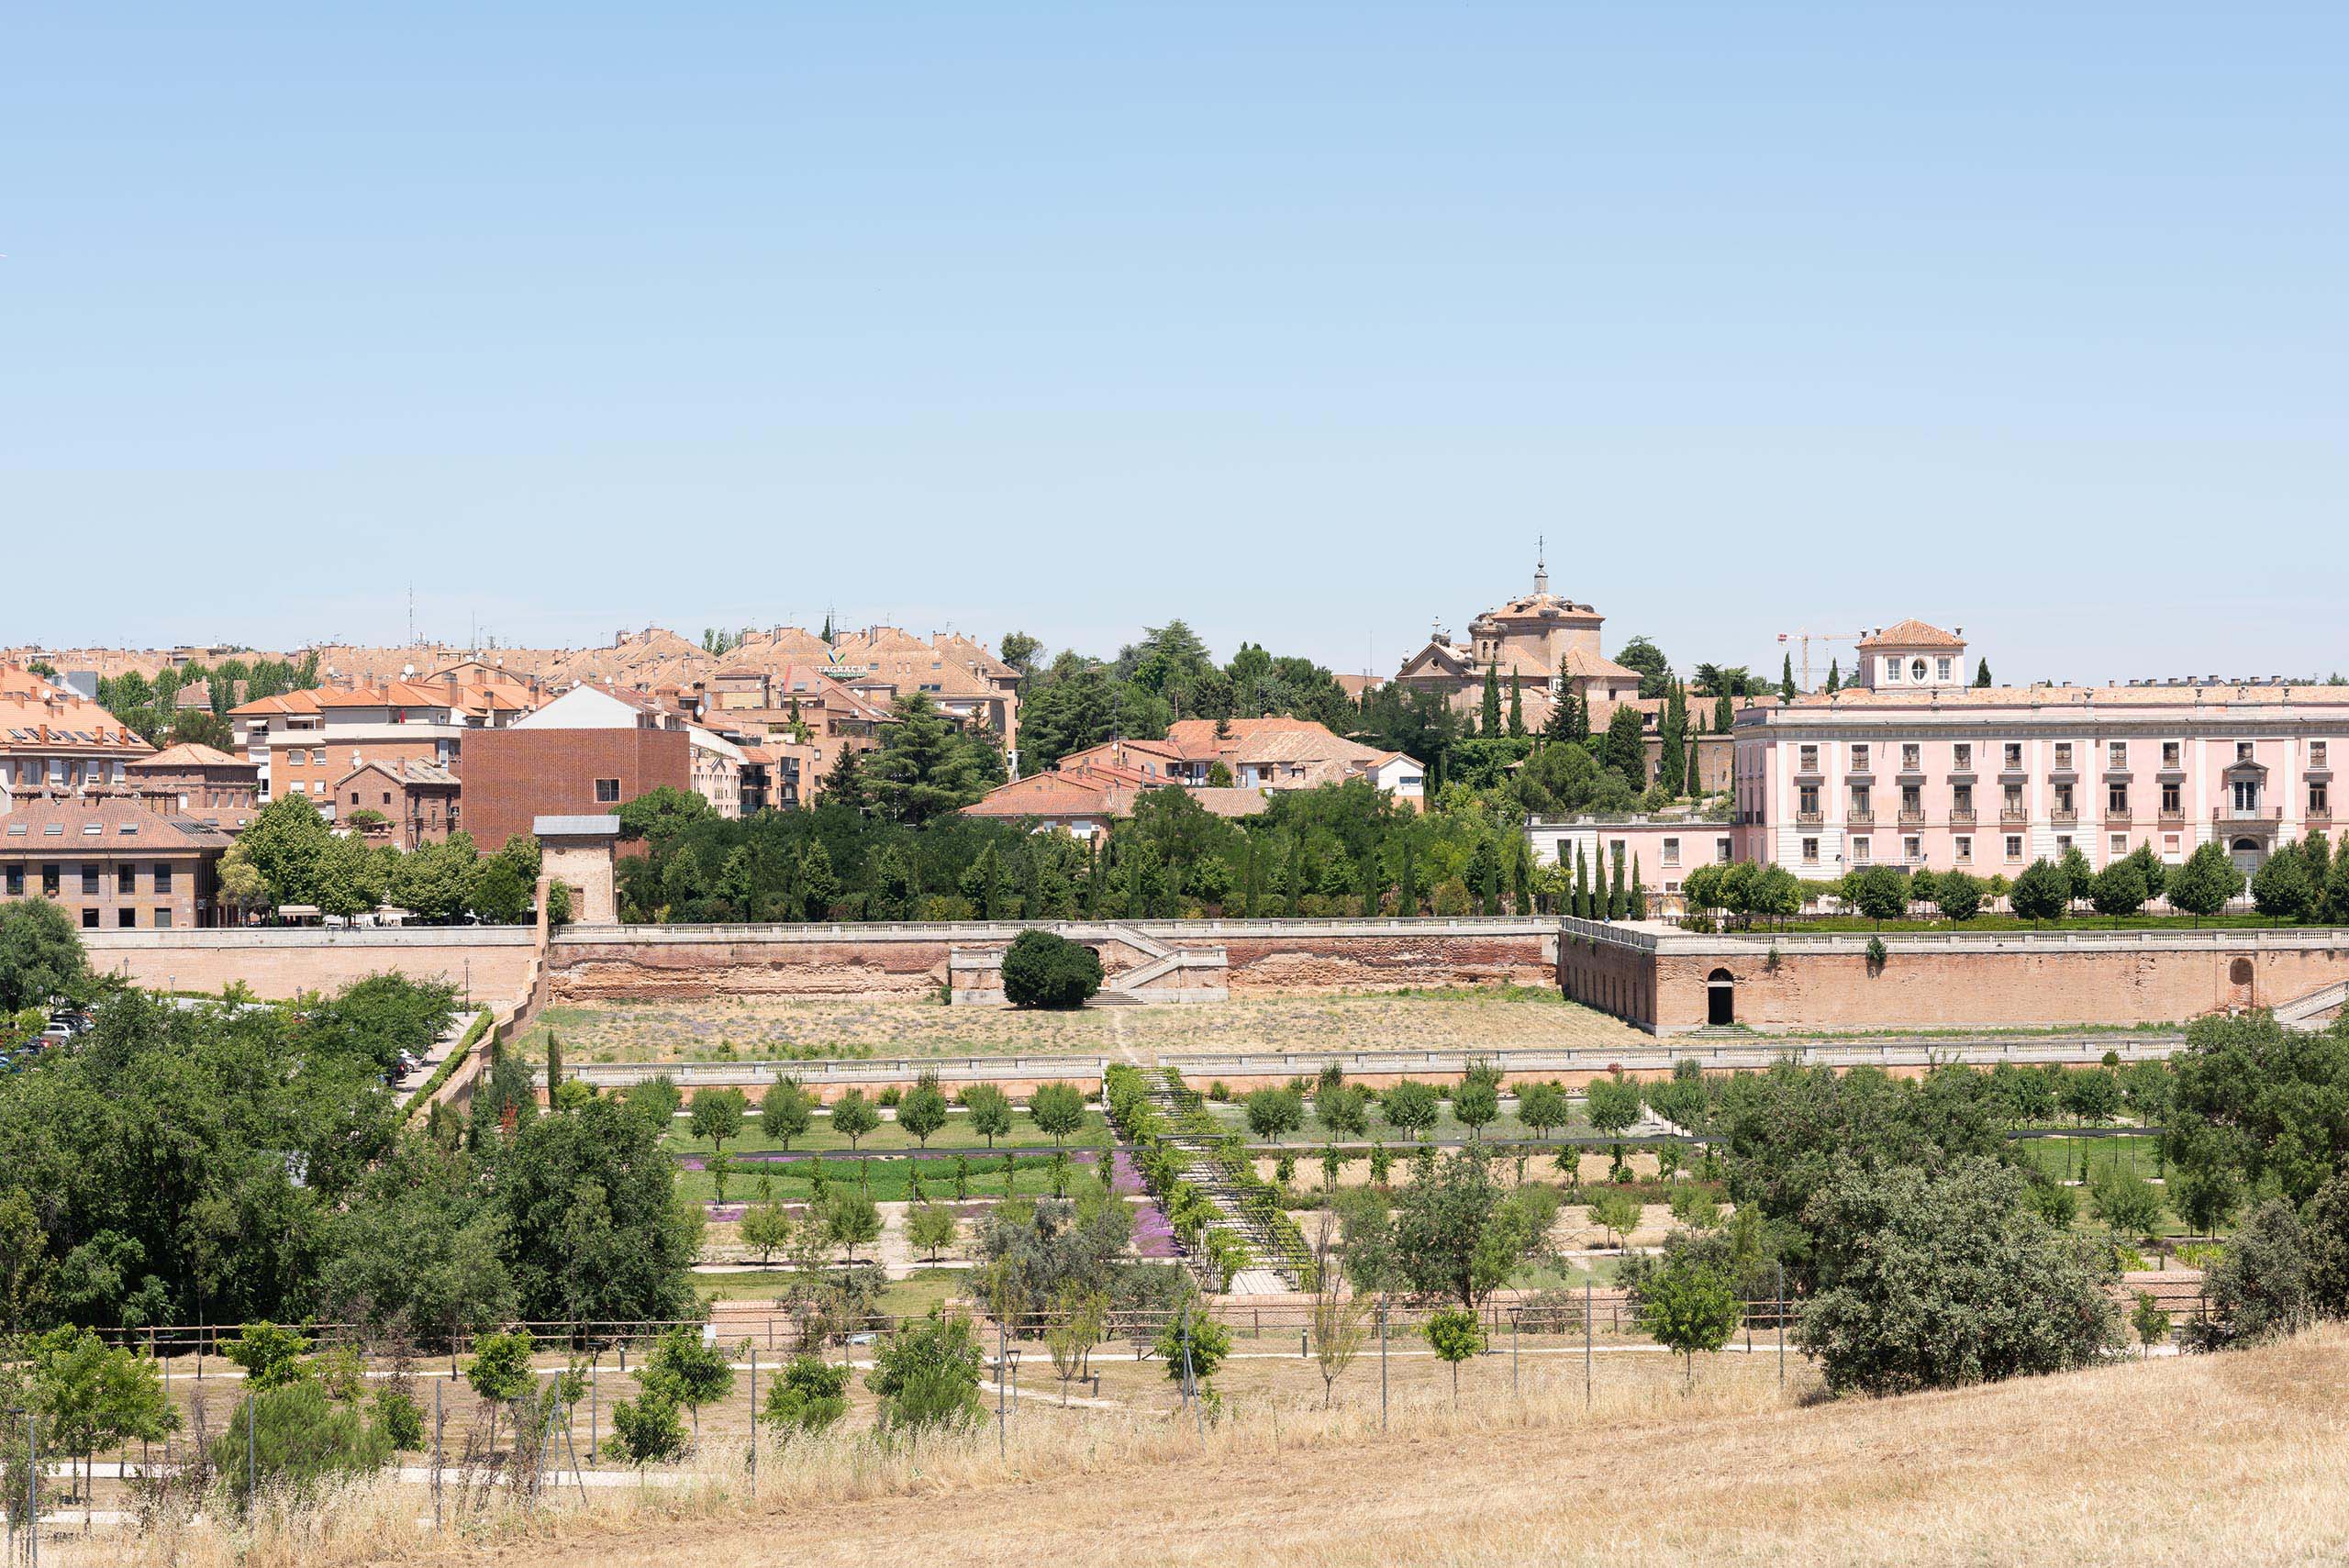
column 2249, row 1467
column 753, row 1028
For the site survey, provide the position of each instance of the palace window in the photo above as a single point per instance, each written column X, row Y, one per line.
column 2116, row 798
column 1912, row 758
column 2171, row 753
column 1862, row 852
column 1965, row 850
column 2173, row 799
column 2014, row 846
column 1963, row 755
column 2116, row 754
column 1859, row 758
column 2014, row 754
column 1811, row 851
column 2320, row 801
column 2063, row 756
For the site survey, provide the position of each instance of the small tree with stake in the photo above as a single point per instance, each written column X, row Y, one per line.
column 1688, row 1307
column 1057, row 1108
column 1455, row 1334
column 853, row 1116
column 990, row 1111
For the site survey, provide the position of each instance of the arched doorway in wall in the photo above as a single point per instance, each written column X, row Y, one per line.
column 1720, row 998
column 2240, row 989
column 2246, row 855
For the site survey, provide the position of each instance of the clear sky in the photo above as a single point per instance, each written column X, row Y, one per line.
column 1298, row 321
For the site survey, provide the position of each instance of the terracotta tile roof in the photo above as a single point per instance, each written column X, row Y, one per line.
column 407, row 771
column 1910, row 634
column 120, row 819
column 1583, row 663
column 38, row 717
column 191, row 754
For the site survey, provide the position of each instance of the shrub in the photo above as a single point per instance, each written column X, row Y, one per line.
column 1043, row 970
column 807, row 1396
column 926, row 1375
column 2041, row 893
column 299, row 1437
column 646, row 1430
column 2259, row 1289
column 1941, row 1279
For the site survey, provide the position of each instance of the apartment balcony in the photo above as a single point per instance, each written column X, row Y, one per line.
column 1809, row 819
column 1861, row 816
column 1912, row 816
column 2245, row 814
column 2117, row 816
column 2172, row 816
column 1960, row 816
column 2064, row 815
column 2014, row 815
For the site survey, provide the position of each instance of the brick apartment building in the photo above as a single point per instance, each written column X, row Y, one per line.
column 110, row 863
column 199, row 782
column 406, row 804
column 586, row 753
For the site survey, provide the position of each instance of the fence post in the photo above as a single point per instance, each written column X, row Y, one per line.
column 1382, row 1362
column 1781, row 1313
column 754, row 1416
column 1586, row 1357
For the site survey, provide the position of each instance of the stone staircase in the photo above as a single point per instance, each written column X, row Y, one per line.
column 974, row 975
column 1199, row 1169
column 2309, row 1014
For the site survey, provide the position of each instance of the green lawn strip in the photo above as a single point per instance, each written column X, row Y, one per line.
column 1312, row 1136
column 888, row 1138
column 887, row 1180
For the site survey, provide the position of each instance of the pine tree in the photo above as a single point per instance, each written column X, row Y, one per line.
column 1489, row 715
column 1786, row 681
column 1561, row 717
column 1580, row 732
column 1516, row 707
column 1982, row 674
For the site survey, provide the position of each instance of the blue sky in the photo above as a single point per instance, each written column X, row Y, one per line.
column 1298, row 321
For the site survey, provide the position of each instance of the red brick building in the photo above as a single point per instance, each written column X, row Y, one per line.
column 200, row 782
column 412, row 803
column 513, row 777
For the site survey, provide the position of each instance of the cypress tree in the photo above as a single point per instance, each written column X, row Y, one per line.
column 1582, row 884
column 1982, row 674
column 1834, row 675
column 1516, row 707
column 1695, row 779
column 1723, row 719
column 1406, row 894
column 1579, row 733
column 1490, row 714
column 1617, row 902
column 1602, row 907
column 1786, row 681
column 1639, row 901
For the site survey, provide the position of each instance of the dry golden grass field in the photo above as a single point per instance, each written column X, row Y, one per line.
column 753, row 1030
column 2238, row 1459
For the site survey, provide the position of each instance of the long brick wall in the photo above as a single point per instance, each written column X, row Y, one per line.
column 1662, row 980
column 490, row 963
column 1266, row 958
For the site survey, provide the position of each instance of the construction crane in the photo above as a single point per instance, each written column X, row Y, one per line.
column 1808, row 637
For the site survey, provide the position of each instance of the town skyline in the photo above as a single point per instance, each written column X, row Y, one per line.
column 2005, row 636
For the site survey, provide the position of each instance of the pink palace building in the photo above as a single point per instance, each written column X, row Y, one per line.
column 1912, row 765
